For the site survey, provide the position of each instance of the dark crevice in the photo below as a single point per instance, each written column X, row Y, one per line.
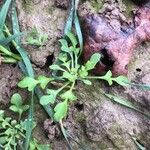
column 14, row 65
column 140, row 2
column 79, row 106
column 138, row 70
column 106, row 60
column 49, row 60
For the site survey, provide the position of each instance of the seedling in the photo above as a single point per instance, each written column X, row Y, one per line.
column 17, row 105
column 69, row 72
column 12, row 131
column 36, row 38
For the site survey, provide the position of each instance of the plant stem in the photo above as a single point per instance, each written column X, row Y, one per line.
column 76, row 60
column 9, row 60
column 94, row 77
column 63, row 87
column 72, row 86
column 72, row 60
column 7, row 52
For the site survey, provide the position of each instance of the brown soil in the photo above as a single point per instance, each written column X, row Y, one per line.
column 93, row 120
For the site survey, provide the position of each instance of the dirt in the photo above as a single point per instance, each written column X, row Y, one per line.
column 94, row 121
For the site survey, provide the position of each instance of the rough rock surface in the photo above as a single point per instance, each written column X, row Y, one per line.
column 48, row 19
column 94, row 121
column 9, row 77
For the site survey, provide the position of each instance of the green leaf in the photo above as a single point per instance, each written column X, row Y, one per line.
column 13, row 122
column 63, row 42
column 52, row 92
column 141, row 147
column 27, row 69
column 55, row 67
column 3, row 13
column 1, row 113
column 44, row 81
column 121, row 80
column 46, row 99
column 95, row 58
column 61, row 110
column 32, row 146
column 3, row 140
column 36, row 38
column 62, row 57
column 70, row 19
column 72, row 39
column 14, row 108
column 64, row 46
column 108, row 77
column 69, row 76
column 69, row 95
column 78, row 30
column 25, row 107
column 83, row 72
column 87, row 82
column 6, row 122
column 67, row 64
column 16, row 99
column 28, row 82
column 44, row 147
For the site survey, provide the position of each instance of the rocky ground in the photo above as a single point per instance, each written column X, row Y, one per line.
column 94, row 120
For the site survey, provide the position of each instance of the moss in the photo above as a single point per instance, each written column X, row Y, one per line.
column 97, row 4
column 129, row 7
column 102, row 146
column 27, row 5
column 80, row 117
column 50, row 10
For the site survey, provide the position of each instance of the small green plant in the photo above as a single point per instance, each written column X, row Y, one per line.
column 12, row 131
column 69, row 71
column 36, row 38
column 34, row 145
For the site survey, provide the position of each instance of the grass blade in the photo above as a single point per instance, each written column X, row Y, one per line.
column 15, row 22
column 78, row 31
column 3, row 14
column 29, row 72
column 140, row 147
column 125, row 103
column 68, row 26
column 140, row 86
column 6, row 41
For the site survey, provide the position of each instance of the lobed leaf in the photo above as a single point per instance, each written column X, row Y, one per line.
column 72, row 38
column 95, row 58
column 28, row 82
column 44, row 81
column 46, row 99
column 69, row 95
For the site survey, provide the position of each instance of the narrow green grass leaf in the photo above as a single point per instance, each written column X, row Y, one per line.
column 78, row 31
column 29, row 71
column 69, row 22
column 140, row 86
column 15, row 22
column 5, row 41
column 125, row 103
column 140, row 147
column 3, row 14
